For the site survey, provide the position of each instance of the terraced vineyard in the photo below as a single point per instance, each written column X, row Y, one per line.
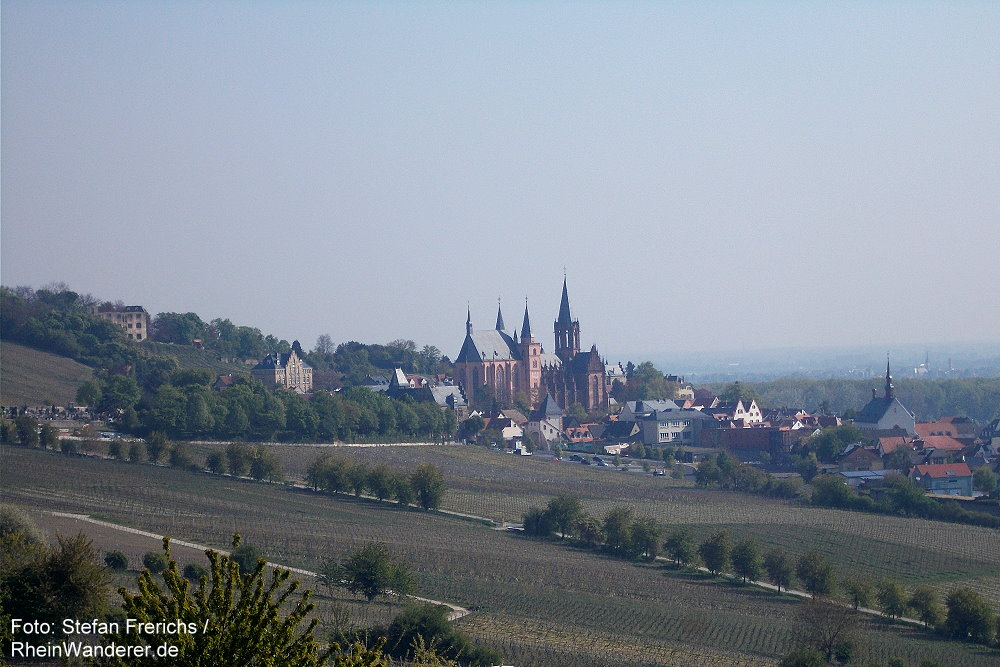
column 539, row 603
column 912, row 551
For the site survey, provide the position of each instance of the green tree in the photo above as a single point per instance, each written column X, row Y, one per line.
column 27, row 430
column 969, row 616
column 645, row 538
column 715, row 551
column 264, row 465
column 137, row 451
column 246, row 556
column 180, row 457
column 155, row 562
column 892, row 598
column 239, row 620
column 984, row 480
column 564, row 510
column 45, row 583
column 926, row 603
column 372, row 571
column 420, row 626
column 590, row 531
column 618, row 529
column 237, row 458
column 538, row 522
column 380, row 481
column 428, row 485
column 860, row 590
column 747, row 562
column 157, row 446
column 48, row 437
column 215, row 462
column 195, row 571
column 116, row 561
column 680, row 546
column 815, row 573
column 402, row 489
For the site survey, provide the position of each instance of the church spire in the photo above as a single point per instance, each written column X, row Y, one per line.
column 525, row 325
column 889, row 391
column 468, row 321
column 564, row 316
column 500, row 326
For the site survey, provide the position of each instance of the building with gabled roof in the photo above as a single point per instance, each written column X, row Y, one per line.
column 953, row 479
column 886, row 414
column 503, row 365
column 279, row 370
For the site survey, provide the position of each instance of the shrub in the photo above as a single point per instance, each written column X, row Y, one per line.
column 116, row 560
column 194, row 572
column 155, row 562
column 246, row 556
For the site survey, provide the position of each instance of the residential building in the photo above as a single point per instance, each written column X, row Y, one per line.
column 133, row 319
column 952, row 479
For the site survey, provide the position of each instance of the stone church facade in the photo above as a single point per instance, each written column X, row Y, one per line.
column 504, row 364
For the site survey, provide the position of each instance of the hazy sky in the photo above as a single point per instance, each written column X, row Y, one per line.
column 712, row 175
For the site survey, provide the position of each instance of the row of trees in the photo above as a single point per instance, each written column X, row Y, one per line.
column 965, row 615
column 424, row 485
column 900, row 495
column 182, row 404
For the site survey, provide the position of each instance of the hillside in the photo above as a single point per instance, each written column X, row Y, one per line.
column 188, row 356
column 32, row 377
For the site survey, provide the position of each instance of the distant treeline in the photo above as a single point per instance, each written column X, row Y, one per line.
column 977, row 398
column 58, row 320
column 182, row 404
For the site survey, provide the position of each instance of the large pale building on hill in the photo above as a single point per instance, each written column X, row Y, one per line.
column 133, row 319
column 503, row 365
column 284, row 371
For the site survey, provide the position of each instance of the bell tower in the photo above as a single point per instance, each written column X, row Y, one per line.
column 567, row 330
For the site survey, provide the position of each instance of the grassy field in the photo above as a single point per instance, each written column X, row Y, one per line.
column 912, row 551
column 188, row 356
column 539, row 603
column 32, row 377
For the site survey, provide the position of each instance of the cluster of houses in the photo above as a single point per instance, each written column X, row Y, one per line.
column 941, row 456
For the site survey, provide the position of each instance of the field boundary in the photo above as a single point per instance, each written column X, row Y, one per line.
column 456, row 612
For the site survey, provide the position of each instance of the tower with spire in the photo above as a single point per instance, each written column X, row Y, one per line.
column 885, row 415
column 567, row 330
column 495, row 364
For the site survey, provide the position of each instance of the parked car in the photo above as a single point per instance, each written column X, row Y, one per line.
column 576, row 457
column 585, row 462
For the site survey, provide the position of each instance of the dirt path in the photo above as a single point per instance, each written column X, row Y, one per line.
column 456, row 613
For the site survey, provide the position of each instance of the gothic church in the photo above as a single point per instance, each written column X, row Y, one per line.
column 504, row 365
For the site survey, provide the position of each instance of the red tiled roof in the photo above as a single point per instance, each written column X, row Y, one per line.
column 926, row 429
column 945, row 470
column 942, row 442
column 893, row 442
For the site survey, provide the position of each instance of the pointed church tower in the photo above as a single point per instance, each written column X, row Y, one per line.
column 530, row 375
column 500, row 326
column 468, row 322
column 890, row 391
column 567, row 330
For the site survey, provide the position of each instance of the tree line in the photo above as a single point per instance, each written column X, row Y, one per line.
column 424, row 486
column 182, row 404
column 964, row 614
column 900, row 496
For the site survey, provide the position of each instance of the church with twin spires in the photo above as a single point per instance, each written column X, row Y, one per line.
column 503, row 365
